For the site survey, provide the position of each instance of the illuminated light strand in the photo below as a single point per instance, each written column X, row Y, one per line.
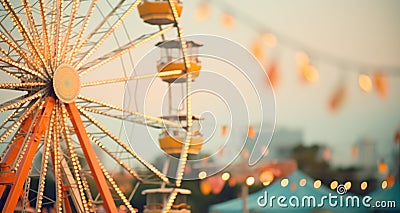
column 132, row 78
column 120, row 162
column 259, row 26
column 59, row 31
column 21, row 85
column 10, row 105
column 171, row 201
column 56, row 163
column 68, row 35
column 116, row 188
column 22, row 30
column 8, row 119
column 10, row 73
column 9, row 144
column 99, row 26
column 90, row 66
column 22, row 153
column 45, row 35
column 53, row 33
column 123, row 145
column 18, row 49
column 20, row 120
column 21, row 67
column 74, row 158
column 31, row 24
column 105, row 36
column 137, row 114
column 45, row 162
column 77, row 42
column 185, row 148
column 120, row 117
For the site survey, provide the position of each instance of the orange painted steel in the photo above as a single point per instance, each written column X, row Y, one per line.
column 91, row 158
column 6, row 176
column 41, row 124
column 67, row 207
column 12, row 152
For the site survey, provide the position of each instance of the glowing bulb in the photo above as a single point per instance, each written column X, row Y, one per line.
column 250, row 181
column 334, row 184
column 384, row 184
column 365, row 82
column 203, row 11
column 382, row 167
column 310, row 73
column 202, row 174
column 284, row 182
column 364, row 185
column 269, row 39
column 225, row 176
column 266, row 183
column 303, row 182
column 227, row 20
column 347, row 185
column 317, row 184
column 266, row 176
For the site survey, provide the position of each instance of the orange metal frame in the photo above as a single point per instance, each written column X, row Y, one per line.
column 11, row 155
column 17, row 180
column 91, row 158
column 40, row 125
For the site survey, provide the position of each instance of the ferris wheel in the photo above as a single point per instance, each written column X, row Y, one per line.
column 49, row 130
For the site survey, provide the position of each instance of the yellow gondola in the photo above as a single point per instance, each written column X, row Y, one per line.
column 156, row 200
column 172, row 139
column 158, row 12
column 172, row 60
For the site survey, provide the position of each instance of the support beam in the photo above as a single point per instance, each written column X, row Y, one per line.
column 41, row 124
column 91, row 158
column 12, row 154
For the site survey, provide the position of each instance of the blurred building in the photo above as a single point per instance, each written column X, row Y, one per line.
column 283, row 141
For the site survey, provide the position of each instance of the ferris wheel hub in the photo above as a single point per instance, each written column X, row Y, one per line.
column 66, row 83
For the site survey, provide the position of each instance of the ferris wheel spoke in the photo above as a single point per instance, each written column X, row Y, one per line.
column 16, row 102
column 113, row 156
column 142, row 118
column 132, row 78
column 45, row 34
column 184, row 153
column 102, row 60
column 126, row 147
column 28, row 155
column 31, row 25
column 68, row 34
column 122, row 6
column 100, row 180
column 75, row 161
column 21, row 86
column 20, row 120
column 23, row 31
column 27, row 70
column 76, row 45
column 128, row 118
column 45, row 161
column 11, row 117
column 56, row 162
column 19, row 50
column 116, row 188
column 58, row 23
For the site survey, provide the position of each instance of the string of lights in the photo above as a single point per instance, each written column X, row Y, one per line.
column 230, row 15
